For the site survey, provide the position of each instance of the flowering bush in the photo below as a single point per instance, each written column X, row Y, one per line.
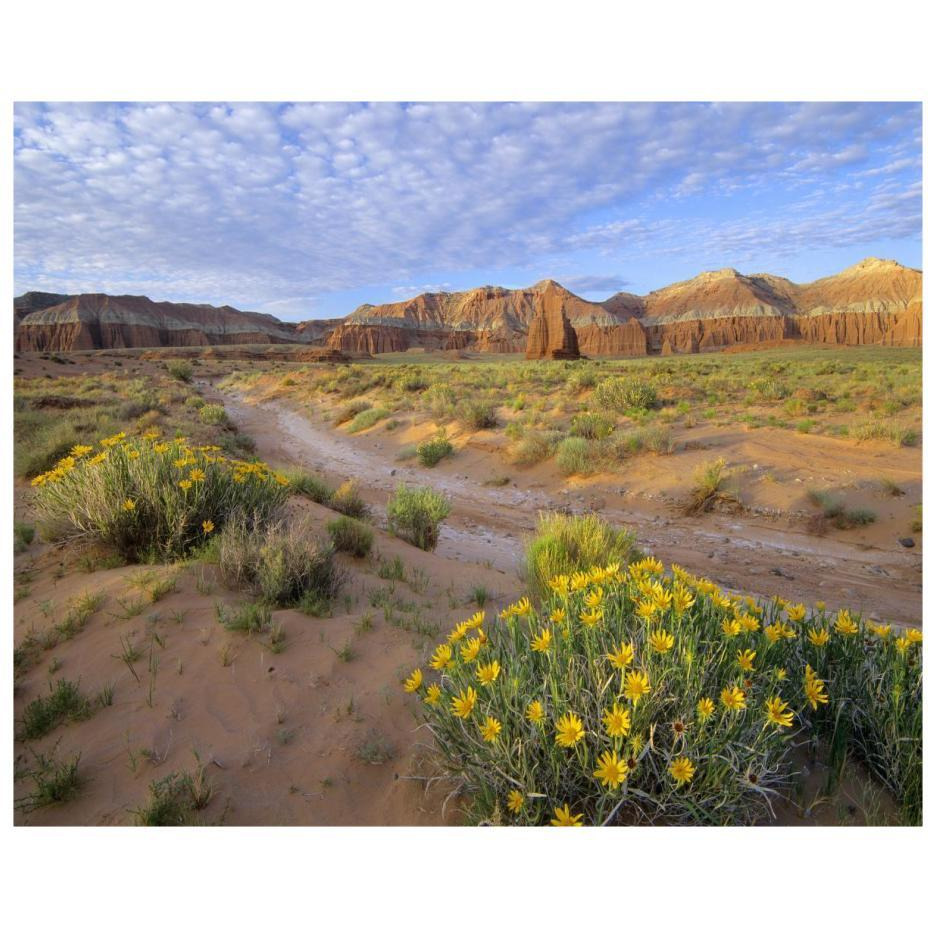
column 152, row 497
column 635, row 697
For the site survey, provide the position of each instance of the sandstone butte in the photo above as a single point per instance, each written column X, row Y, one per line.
column 874, row 302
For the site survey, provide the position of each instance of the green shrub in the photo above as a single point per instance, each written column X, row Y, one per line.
column 533, row 448
column 347, row 500
column 23, row 536
column 440, row 400
column 430, row 452
column 564, row 543
column 416, row 514
column 630, row 698
column 364, row 420
column 412, row 383
column 213, row 414
column 351, row 536
column 350, row 411
column 54, row 781
column 477, row 415
column 175, row 799
column 195, row 401
column 590, row 425
column 181, row 370
column 575, row 456
column 280, row 562
column 624, row 395
column 151, row 498
column 310, row 486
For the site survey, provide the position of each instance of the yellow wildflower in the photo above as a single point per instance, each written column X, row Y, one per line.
column 487, row 673
column 815, row 689
column 845, row 625
column 594, row 597
column 197, row 475
column 591, row 617
column 534, row 713
column 819, row 636
column 563, row 817
column 682, row 770
column 913, row 636
column 731, row 627
column 78, row 451
column 460, row 630
column 881, row 631
column 682, row 599
column 796, row 612
column 778, row 630
column 778, row 712
column 413, row 681
column 646, row 609
column 733, row 698
column 611, row 770
column 661, row 641
column 185, row 484
column 441, row 657
column 463, row 704
column 542, row 641
column 636, row 685
column 621, row 655
column 208, row 526
column 433, row 694
column 128, row 505
column 570, row 730
column 705, row 708
column 522, row 607
column 560, row 584
column 748, row 622
column 470, row 649
column 491, row 728
column 558, row 616
column 476, row 620
column 617, row 721
column 515, row 801
column 745, row 659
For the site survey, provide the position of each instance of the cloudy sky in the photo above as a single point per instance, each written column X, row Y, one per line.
column 308, row 210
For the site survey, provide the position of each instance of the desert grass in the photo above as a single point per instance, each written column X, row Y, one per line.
column 351, row 536
column 416, row 514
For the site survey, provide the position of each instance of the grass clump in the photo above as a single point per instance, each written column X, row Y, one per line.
column 213, row 414
column 309, row 486
column 280, row 562
column 625, row 394
column 149, row 498
column 430, row 452
column 347, row 500
column 563, row 543
column 476, row 415
column 175, row 799
column 370, row 417
column 181, row 370
column 590, row 425
column 351, row 536
column 54, row 781
column 416, row 514
column 65, row 703
column 23, row 536
column 712, row 488
column 575, row 455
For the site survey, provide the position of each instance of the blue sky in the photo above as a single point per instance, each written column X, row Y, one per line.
column 307, row 210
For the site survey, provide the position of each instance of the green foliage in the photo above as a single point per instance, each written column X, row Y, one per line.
column 310, row 486
column 54, row 781
column 364, row 420
column 181, row 370
column 590, row 425
column 65, row 703
column 23, row 536
column 416, row 514
column 430, row 452
column 475, row 415
column 175, row 799
column 213, row 414
column 564, row 543
column 347, row 500
column 625, row 394
column 150, row 498
column 280, row 562
column 351, row 536
column 575, row 455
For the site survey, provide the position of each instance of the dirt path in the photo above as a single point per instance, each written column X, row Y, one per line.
column 749, row 554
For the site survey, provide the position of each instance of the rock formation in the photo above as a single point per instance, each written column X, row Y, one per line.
column 550, row 334
column 873, row 302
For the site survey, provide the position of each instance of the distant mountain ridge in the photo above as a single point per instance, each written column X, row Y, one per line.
column 875, row 301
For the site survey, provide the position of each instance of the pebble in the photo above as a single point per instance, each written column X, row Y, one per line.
column 907, row 542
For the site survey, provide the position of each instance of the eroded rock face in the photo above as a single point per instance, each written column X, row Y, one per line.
column 551, row 334
column 97, row 320
column 873, row 302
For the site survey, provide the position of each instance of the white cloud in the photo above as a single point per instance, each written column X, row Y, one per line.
column 255, row 204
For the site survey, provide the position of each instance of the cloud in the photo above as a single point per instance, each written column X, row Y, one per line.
column 257, row 204
column 592, row 283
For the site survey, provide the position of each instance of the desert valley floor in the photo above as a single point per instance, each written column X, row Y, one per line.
column 318, row 730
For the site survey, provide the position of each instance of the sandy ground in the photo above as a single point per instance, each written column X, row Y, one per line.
column 281, row 734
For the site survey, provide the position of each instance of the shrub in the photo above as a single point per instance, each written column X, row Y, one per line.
column 590, row 425
column 347, row 500
column 309, row 486
column 23, row 536
column 430, row 452
column 563, row 543
column 181, row 370
column 350, row 411
column 630, row 697
column 624, row 395
column 477, row 415
column 213, row 414
column 412, row 383
column 151, row 498
column 364, row 420
column 416, row 514
column 195, row 402
column 351, row 536
column 575, row 456
column 173, row 800
column 54, row 781
column 440, row 400
column 280, row 562
column 533, row 448
column 712, row 488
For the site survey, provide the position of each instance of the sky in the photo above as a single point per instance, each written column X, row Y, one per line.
column 307, row 210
